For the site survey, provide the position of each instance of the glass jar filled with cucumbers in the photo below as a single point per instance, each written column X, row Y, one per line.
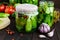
column 26, row 17
column 46, row 16
column 46, row 11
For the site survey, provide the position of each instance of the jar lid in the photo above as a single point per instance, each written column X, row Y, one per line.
column 47, row 3
column 26, row 8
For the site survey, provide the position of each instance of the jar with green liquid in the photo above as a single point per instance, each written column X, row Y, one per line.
column 46, row 18
column 26, row 17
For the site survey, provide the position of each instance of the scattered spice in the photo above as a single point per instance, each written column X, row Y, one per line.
column 7, row 30
column 10, row 32
column 21, row 34
column 13, row 39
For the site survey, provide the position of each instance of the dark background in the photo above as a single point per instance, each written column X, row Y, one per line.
column 57, row 3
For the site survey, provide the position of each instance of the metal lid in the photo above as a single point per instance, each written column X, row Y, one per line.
column 26, row 8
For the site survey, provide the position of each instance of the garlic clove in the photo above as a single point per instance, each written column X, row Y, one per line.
column 42, row 36
column 50, row 34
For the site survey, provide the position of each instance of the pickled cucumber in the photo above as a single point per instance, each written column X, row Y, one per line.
column 34, row 22
column 48, row 20
column 40, row 18
column 20, row 22
column 28, row 25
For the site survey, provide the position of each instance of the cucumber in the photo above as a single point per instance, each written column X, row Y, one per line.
column 18, row 1
column 11, row 1
column 14, row 1
column 20, row 22
column 52, row 21
column 35, row 2
column 48, row 20
column 30, row 1
column 34, row 22
column 28, row 25
column 23, row 1
column 27, row 1
column 19, row 28
column 40, row 18
column 2, row 15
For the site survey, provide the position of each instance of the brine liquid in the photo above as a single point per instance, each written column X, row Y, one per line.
column 20, row 22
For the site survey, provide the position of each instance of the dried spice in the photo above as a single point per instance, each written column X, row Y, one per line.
column 21, row 34
column 12, row 39
column 10, row 32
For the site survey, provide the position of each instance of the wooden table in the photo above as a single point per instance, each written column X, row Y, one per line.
column 26, row 36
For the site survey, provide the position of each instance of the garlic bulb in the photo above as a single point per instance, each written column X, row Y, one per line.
column 44, row 28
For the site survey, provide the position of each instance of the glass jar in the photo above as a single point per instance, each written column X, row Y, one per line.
column 26, row 17
column 47, row 7
column 45, row 17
